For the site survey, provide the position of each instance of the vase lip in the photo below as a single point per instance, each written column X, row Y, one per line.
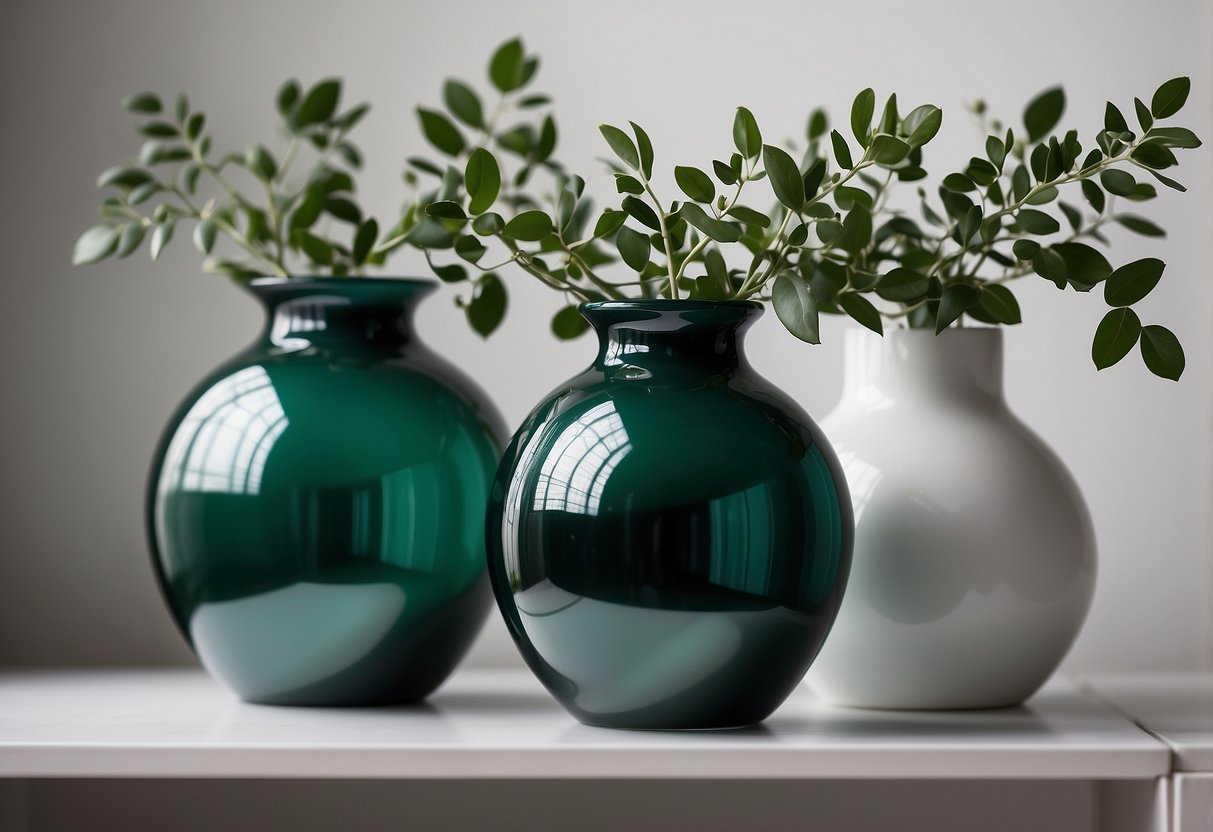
column 949, row 335
column 371, row 290
column 669, row 305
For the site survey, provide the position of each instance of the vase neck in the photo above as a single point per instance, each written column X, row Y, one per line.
column 960, row 365
column 656, row 339
column 336, row 314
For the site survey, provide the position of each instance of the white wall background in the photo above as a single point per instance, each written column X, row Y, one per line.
column 94, row 359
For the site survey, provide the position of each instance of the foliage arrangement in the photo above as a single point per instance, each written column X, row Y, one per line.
column 474, row 141
column 277, row 223
column 833, row 242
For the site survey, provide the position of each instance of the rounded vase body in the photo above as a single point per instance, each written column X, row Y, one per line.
column 974, row 557
column 316, row 506
column 668, row 534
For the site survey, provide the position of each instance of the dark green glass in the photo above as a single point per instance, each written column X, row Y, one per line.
column 316, row 507
column 668, row 534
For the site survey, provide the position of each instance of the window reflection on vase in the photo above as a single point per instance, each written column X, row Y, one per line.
column 669, row 535
column 317, row 507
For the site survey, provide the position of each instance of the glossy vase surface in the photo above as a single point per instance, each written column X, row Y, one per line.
column 974, row 552
column 316, row 507
column 668, row 534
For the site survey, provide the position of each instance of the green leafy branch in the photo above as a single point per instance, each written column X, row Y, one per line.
column 272, row 219
column 994, row 228
column 663, row 242
column 474, row 140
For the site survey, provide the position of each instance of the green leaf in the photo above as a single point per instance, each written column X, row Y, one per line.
column 469, row 248
column 1116, row 334
column 364, row 240
column 996, row 151
column 1174, row 137
column 145, row 102
column 695, row 183
column 1153, row 155
column 642, row 212
column 1170, row 97
column 1170, row 183
column 842, row 153
column 318, row 250
column 319, row 104
column 1143, row 114
column 1025, row 249
column 568, row 323
column 889, row 150
column 609, row 223
column 902, row 285
column 862, row 110
column 785, row 177
column 454, row 273
column 131, row 239
column 463, row 103
column 1085, row 266
column 261, row 163
column 547, row 139
column 124, row 177
column 1050, row 265
column 446, row 210
column 861, row 311
column 998, row 303
column 955, row 299
column 482, row 178
column 645, row 149
column 287, row 97
column 633, row 248
column 204, row 236
column 1037, row 222
column 1117, row 182
column 529, row 226
column 749, row 216
column 1133, row 281
column 441, row 132
column 1140, row 225
column 1114, row 120
column 718, row 230
column 193, row 127
column 959, row 183
column 506, row 67
column 795, row 307
column 1094, row 195
column 488, row 224
column 95, row 244
column 486, row 309
column 856, row 230
column 723, row 172
column 1162, row 352
column 922, row 124
column 747, row 138
column 159, row 130
column 621, row 145
column 817, row 125
column 161, row 235
column 1043, row 112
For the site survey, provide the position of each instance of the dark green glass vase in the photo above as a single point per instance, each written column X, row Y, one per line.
column 668, row 534
column 316, row 507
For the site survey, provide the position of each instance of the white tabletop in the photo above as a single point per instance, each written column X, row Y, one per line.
column 1178, row 708
column 502, row 724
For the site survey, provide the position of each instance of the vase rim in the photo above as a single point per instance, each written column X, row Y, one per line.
column 927, row 335
column 669, row 305
column 272, row 281
column 375, row 291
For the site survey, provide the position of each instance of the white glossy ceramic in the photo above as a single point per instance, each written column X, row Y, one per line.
column 974, row 558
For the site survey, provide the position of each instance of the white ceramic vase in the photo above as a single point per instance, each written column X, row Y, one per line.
column 974, row 558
